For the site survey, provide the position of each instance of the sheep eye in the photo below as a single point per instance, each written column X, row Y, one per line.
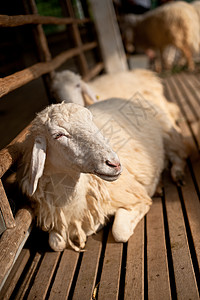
column 78, row 85
column 59, row 135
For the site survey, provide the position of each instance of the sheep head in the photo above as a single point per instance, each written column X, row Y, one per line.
column 126, row 24
column 65, row 140
column 69, row 87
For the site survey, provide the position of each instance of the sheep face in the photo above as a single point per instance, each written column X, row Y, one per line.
column 67, row 140
column 68, row 87
column 126, row 26
column 128, row 39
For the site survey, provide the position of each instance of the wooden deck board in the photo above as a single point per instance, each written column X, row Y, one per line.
column 63, row 280
column 188, row 95
column 193, row 86
column 134, row 284
column 24, row 286
column 187, row 130
column 183, row 269
column 110, row 277
column 160, row 261
column 192, row 207
column 44, row 276
column 179, row 96
column 196, row 130
column 158, row 274
column 85, row 284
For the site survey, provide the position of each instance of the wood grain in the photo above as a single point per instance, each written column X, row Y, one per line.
column 158, row 274
column 15, row 274
column 14, row 81
column 110, row 277
column 64, row 276
column 19, row 20
column 5, row 209
column 11, row 240
column 89, row 266
column 44, row 275
column 134, row 284
column 183, row 268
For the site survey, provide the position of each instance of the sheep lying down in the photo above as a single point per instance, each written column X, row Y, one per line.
column 69, row 87
column 80, row 166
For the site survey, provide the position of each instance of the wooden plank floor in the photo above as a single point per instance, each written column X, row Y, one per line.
column 160, row 261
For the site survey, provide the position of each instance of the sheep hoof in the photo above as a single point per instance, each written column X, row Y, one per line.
column 123, row 225
column 179, row 178
column 82, row 245
column 159, row 191
column 56, row 241
column 121, row 237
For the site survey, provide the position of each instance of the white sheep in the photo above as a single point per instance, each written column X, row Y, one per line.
column 125, row 84
column 68, row 86
column 75, row 179
column 173, row 24
column 136, row 84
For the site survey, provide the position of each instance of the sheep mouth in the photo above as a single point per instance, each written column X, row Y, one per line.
column 108, row 177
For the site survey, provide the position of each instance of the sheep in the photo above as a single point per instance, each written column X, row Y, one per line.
column 138, row 83
column 124, row 84
column 67, row 85
column 135, row 83
column 173, row 24
column 76, row 177
column 196, row 5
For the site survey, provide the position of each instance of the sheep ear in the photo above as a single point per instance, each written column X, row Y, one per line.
column 87, row 91
column 37, row 163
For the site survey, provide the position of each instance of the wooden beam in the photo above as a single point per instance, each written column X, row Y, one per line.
column 14, row 21
column 11, row 153
column 12, row 241
column 18, row 79
column 42, row 48
column 82, row 62
column 94, row 72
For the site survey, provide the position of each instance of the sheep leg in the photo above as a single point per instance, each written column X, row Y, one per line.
column 126, row 220
column 158, row 62
column 56, row 241
column 81, row 236
column 164, row 64
column 188, row 55
column 175, row 150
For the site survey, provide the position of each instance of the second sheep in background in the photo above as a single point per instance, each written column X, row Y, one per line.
column 174, row 24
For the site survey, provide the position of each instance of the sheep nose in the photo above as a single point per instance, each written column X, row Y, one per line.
column 113, row 164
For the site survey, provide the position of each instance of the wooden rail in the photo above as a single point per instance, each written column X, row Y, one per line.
column 11, row 153
column 20, row 20
column 13, row 240
column 21, row 78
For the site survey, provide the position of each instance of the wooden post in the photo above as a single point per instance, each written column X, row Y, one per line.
column 77, row 40
column 109, row 36
column 42, row 47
